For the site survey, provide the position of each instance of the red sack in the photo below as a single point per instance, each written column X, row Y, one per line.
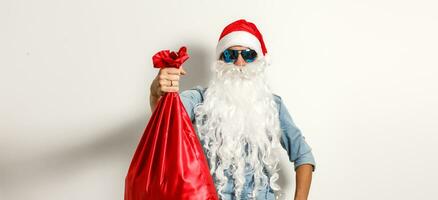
column 169, row 163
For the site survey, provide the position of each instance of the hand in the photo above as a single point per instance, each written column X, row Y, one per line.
column 167, row 80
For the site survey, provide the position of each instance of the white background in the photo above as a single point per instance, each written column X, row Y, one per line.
column 359, row 78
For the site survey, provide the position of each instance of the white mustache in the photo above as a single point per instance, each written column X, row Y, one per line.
column 231, row 70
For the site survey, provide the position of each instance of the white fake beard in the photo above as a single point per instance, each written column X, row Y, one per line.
column 239, row 112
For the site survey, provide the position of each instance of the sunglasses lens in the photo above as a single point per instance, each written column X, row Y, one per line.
column 249, row 55
column 229, row 56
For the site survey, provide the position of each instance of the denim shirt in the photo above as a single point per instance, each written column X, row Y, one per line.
column 291, row 140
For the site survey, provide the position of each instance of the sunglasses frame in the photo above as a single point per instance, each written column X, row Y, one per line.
column 233, row 55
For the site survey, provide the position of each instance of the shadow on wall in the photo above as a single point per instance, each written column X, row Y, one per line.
column 116, row 148
column 197, row 67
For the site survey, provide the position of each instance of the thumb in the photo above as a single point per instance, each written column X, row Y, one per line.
column 183, row 72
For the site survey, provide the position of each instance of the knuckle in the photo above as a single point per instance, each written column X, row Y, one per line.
column 173, row 77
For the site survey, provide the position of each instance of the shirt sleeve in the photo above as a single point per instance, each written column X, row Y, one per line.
column 190, row 99
column 292, row 139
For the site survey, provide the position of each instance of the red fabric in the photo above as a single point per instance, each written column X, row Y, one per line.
column 167, row 58
column 169, row 163
column 243, row 25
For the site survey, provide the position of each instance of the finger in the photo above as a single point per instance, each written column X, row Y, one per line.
column 173, row 77
column 164, row 83
column 168, row 83
column 163, row 76
column 173, row 71
column 174, row 84
column 170, row 89
column 168, row 70
column 163, row 71
column 168, row 77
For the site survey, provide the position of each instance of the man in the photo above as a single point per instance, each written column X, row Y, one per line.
column 239, row 121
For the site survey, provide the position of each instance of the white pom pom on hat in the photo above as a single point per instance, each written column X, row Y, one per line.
column 243, row 33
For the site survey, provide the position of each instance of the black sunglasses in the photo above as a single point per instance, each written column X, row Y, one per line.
column 231, row 55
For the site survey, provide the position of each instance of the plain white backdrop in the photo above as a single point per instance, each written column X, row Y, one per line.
column 359, row 78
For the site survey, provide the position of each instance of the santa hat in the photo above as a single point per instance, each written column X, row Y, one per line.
column 243, row 33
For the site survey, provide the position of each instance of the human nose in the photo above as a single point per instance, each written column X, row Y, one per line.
column 240, row 61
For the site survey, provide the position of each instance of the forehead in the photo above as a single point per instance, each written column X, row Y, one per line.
column 238, row 47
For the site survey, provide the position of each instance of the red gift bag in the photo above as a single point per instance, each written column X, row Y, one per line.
column 169, row 162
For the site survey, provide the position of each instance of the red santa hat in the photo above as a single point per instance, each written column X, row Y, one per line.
column 243, row 33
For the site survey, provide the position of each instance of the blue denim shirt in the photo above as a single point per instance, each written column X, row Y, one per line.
column 292, row 141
